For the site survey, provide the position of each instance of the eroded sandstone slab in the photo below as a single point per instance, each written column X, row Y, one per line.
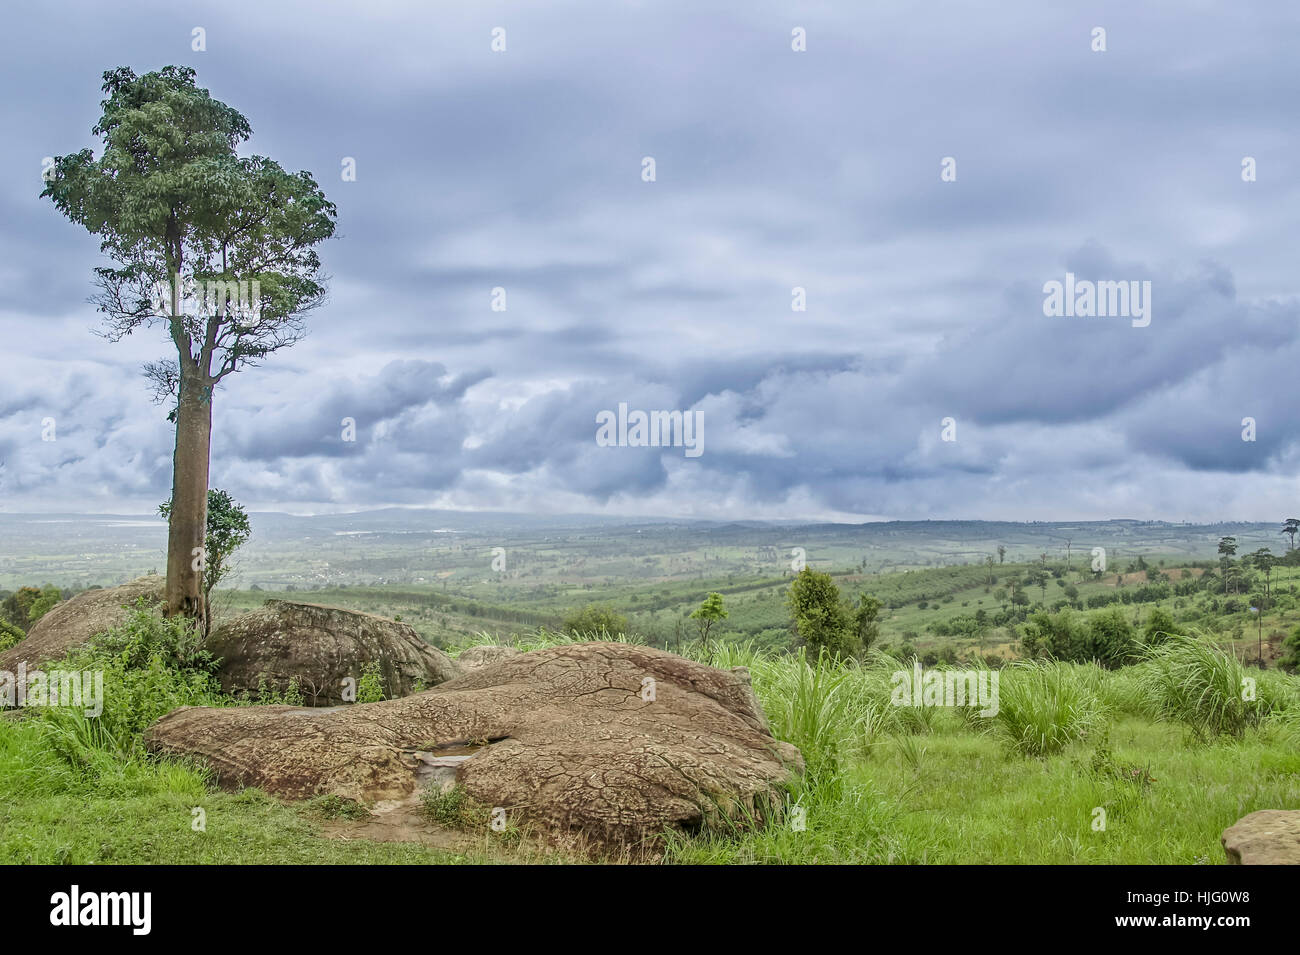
column 610, row 741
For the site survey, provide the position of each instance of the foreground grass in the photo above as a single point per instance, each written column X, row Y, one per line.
column 953, row 797
column 141, row 812
column 886, row 784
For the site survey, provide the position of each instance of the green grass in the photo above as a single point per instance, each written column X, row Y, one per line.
column 139, row 811
column 1161, row 747
column 951, row 791
column 1044, row 707
column 1191, row 681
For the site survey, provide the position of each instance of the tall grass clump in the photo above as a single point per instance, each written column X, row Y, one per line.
column 544, row 638
column 1279, row 693
column 1044, row 707
column 1121, row 692
column 826, row 709
column 1192, row 681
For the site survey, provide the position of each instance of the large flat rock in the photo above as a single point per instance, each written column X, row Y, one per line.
column 608, row 741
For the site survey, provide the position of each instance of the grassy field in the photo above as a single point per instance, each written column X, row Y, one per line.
column 1166, row 749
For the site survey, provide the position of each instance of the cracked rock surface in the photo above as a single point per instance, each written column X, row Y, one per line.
column 610, row 741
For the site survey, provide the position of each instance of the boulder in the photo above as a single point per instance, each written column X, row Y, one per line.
column 1266, row 837
column 475, row 657
column 595, row 743
column 73, row 622
column 322, row 647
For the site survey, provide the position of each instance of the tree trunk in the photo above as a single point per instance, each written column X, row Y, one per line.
column 187, row 530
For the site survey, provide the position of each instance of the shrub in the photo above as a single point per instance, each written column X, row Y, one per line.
column 1043, row 707
column 1291, row 652
column 1106, row 638
column 151, row 665
column 336, row 807
column 370, row 688
column 453, row 807
column 821, row 619
column 1192, row 681
column 10, row 635
column 595, row 618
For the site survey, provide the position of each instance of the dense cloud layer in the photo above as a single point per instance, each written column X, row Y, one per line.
column 775, row 169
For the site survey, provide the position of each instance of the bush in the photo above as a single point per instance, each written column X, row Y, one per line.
column 1192, row 681
column 595, row 618
column 821, row 619
column 454, row 808
column 1106, row 638
column 1043, row 707
column 28, row 604
column 10, row 635
column 150, row 666
column 336, row 807
column 370, row 688
column 1291, row 652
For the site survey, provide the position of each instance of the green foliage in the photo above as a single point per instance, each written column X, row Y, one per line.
column 150, row 665
column 1111, row 641
column 866, row 627
column 10, row 635
column 1159, row 627
column 818, row 706
column 549, row 638
column 1191, row 681
column 228, row 529
column 454, row 808
column 1044, row 707
column 595, row 618
column 370, row 688
column 169, row 189
column 49, row 598
column 278, row 694
column 707, row 614
column 1290, row 660
column 28, row 604
column 1105, row 637
column 820, row 618
column 336, row 807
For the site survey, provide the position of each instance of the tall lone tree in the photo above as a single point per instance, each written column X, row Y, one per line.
column 216, row 249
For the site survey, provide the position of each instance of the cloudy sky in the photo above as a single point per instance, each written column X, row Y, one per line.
column 775, row 169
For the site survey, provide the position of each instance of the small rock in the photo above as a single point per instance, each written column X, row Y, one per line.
column 1266, row 837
